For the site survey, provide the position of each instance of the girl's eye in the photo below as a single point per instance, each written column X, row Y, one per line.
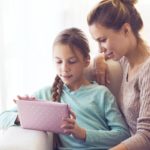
column 58, row 61
column 72, row 61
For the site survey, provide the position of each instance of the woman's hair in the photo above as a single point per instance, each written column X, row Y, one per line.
column 114, row 13
column 75, row 39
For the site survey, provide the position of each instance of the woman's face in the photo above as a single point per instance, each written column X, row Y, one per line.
column 113, row 43
column 70, row 65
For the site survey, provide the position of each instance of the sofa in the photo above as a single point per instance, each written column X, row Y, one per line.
column 17, row 138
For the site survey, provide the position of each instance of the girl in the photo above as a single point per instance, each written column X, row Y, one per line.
column 115, row 25
column 94, row 116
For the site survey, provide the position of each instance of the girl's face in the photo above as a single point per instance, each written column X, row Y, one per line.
column 114, row 43
column 70, row 65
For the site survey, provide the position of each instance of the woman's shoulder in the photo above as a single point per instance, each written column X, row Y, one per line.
column 145, row 70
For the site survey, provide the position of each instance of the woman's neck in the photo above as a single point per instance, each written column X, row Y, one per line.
column 138, row 56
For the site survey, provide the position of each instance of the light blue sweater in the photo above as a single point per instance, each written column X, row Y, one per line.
column 96, row 111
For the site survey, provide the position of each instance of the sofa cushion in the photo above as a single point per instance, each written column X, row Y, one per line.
column 16, row 138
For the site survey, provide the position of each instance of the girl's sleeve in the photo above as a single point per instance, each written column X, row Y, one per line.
column 8, row 118
column 43, row 94
column 141, row 140
column 118, row 130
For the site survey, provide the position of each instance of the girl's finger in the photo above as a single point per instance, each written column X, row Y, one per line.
column 69, row 121
column 67, row 126
column 72, row 114
column 14, row 100
column 26, row 97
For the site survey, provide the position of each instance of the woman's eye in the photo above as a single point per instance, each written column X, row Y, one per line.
column 102, row 40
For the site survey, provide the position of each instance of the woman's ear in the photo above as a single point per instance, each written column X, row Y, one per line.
column 126, row 28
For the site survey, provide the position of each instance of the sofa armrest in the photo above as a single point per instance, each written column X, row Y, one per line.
column 16, row 138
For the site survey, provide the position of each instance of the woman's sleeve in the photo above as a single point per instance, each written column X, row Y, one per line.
column 141, row 140
column 118, row 131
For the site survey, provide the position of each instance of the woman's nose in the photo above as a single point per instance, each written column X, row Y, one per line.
column 102, row 49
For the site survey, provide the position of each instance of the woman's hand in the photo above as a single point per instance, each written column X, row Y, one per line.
column 71, row 127
column 101, row 69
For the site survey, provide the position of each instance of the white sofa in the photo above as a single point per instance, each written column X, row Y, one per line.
column 16, row 138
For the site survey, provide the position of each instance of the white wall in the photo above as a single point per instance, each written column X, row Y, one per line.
column 27, row 30
column 143, row 7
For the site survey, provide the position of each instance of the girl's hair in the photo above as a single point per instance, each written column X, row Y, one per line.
column 114, row 13
column 75, row 39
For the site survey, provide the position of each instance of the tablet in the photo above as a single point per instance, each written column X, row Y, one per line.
column 42, row 115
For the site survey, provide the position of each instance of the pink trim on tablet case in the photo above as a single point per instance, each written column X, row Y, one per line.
column 42, row 115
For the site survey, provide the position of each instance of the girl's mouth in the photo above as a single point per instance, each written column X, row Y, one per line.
column 66, row 76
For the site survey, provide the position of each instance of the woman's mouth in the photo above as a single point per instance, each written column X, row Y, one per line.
column 109, row 54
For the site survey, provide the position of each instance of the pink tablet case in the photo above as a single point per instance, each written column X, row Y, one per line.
column 42, row 115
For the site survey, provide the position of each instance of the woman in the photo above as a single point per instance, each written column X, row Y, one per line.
column 115, row 25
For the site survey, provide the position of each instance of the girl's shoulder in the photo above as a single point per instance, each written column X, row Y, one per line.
column 101, row 88
column 43, row 93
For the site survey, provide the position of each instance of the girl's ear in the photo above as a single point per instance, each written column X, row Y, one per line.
column 87, row 61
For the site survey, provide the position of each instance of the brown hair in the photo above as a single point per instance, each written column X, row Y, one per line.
column 114, row 13
column 76, row 39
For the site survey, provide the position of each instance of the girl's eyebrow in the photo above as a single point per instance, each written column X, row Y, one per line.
column 57, row 57
column 68, row 58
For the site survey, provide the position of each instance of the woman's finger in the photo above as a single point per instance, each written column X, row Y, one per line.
column 107, row 79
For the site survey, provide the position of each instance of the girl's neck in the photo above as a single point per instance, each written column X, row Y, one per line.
column 83, row 82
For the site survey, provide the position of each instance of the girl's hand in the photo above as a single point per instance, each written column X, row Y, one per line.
column 17, row 121
column 26, row 97
column 71, row 127
column 101, row 69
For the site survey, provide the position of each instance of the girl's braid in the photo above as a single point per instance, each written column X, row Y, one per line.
column 57, row 89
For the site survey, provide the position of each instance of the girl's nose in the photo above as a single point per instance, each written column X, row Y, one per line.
column 65, row 67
